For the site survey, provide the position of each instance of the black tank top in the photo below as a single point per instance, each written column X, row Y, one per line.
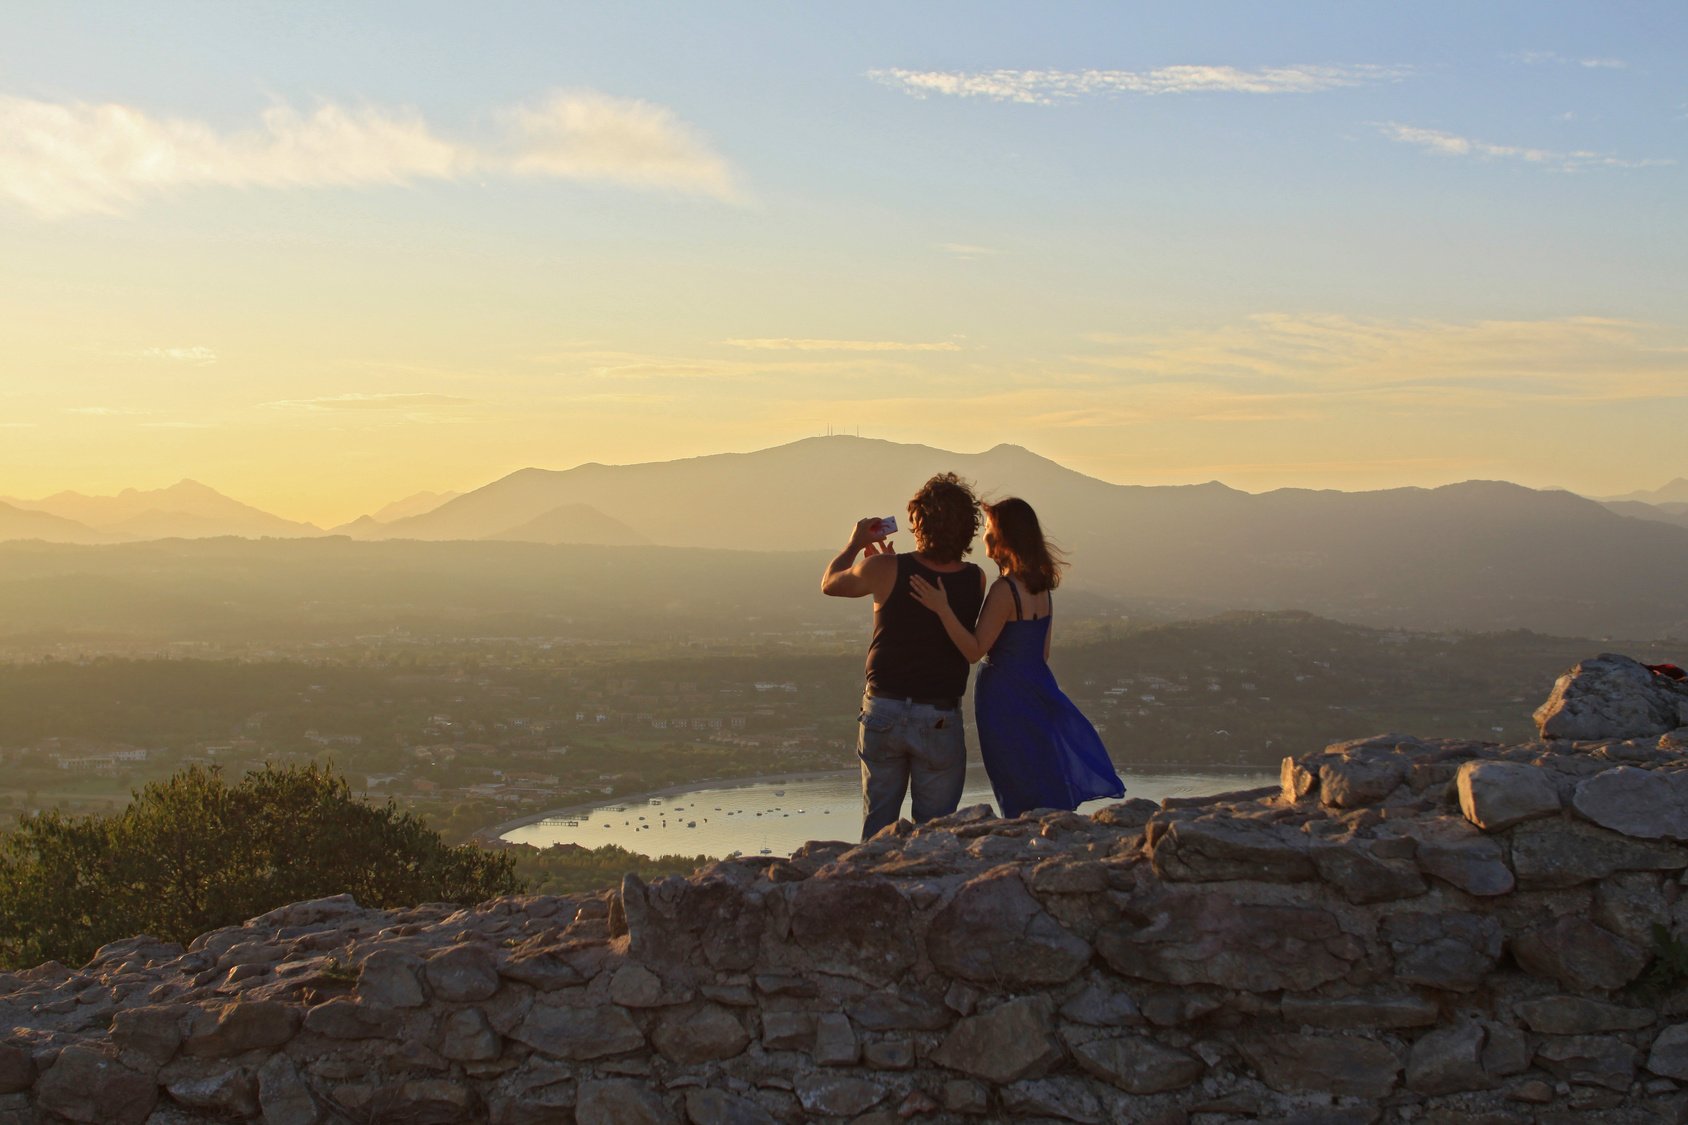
column 910, row 655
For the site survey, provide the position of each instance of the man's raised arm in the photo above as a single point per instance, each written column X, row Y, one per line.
column 844, row 577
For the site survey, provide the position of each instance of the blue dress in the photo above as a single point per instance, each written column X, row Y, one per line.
column 1038, row 748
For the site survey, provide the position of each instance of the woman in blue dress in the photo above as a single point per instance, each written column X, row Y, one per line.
column 1039, row 750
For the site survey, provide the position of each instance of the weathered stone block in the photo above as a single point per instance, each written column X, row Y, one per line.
column 855, row 927
column 1352, row 782
column 994, row 931
column 388, row 978
column 1496, row 795
column 1452, row 951
column 1579, row 1015
column 620, row 1102
column 239, row 1026
column 1669, row 1056
column 1213, row 849
column 1138, row 1064
column 708, row 1106
column 86, row 1084
column 1579, row 955
column 1346, row 1013
column 1650, row 804
column 1067, row 1099
column 1006, row 1043
column 1597, row 1060
column 1611, row 696
column 837, row 1095
column 579, row 1033
column 1293, row 1064
column 1448, row 1060
column 701, row 1034
column 462, row 973
column 1204, row 937
column 1562, row 853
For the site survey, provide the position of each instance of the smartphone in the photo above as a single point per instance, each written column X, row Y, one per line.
column 887, row 525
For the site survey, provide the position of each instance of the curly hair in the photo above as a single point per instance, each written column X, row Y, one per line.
column 944, row 517
column 1015, row 541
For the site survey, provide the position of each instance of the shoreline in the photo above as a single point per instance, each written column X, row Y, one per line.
column 497, row 831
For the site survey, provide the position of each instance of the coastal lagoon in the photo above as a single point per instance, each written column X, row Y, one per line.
column 773, row 816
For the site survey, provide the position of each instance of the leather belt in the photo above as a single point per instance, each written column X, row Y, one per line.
column 937, row 703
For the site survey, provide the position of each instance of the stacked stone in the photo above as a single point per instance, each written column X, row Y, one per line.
column 1405, row 930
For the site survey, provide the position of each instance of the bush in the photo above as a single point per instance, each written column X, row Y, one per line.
column 193, row 853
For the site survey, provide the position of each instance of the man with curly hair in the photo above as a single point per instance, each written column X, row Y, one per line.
column 910, row 739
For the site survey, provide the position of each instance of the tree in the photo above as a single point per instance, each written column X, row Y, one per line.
column 193, row 853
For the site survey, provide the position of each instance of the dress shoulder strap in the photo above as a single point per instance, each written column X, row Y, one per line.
column 1015, row 590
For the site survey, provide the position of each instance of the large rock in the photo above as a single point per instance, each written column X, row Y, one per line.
column 1590, row 1060
column 1448, row 1060
column 854, row 927
column 1061, row 1099
column 1199, row 937
column 1496, row 795
column 1578, row 1015
column 619, row 1102
column 238, row 1027
column 462, row 973
column 703, row 1034
column 1579, row 954
column 388, row 977
column 1669, row 1056
column 579, row 1033
column 1451, row 951
column 1213, row 848
column 1562, row 853
column 1007, row 1043
column 1612, row 696
column 1365, row 1011
column 1352, row 781
column 1138, row 1064
column 1297, row 1064
column 837, row 1095
column 284, row 1097
column 1362, row 876
column 17, row 1068
column 708, row 1106
column 1455, row 851
column 228, row 1093
column 88, row 1085
column 1651, row 804
column 995, row 932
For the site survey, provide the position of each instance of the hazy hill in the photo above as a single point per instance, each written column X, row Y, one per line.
column 574, row 523
column 1482, row 554
column 1662, row 513
column 24, row 523
column 186, row 509
column 1675, row 492
column 413, row 505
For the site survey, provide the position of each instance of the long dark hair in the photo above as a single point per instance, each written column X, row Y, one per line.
column 1016, row 544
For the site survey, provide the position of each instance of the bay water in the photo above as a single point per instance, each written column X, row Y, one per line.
column 774, row 816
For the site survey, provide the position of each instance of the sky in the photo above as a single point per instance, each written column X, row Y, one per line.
column 321, row 256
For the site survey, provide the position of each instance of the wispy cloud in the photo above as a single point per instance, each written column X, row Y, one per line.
column 1275, row 361
column 199, row 356
column 1048, row 87
column 1538, row 58
column 1452, row 144
column 965, row 251
column 60, row 159
column 105, row 411
column 369, row 402
column 783, row 344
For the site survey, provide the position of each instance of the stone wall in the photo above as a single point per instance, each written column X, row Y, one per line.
column 1408, row 930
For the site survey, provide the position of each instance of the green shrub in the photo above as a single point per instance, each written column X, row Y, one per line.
column 193, row 853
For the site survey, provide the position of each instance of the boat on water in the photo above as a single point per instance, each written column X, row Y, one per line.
column 691, row 824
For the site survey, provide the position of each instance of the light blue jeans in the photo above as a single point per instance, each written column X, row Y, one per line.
column 909, row 747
